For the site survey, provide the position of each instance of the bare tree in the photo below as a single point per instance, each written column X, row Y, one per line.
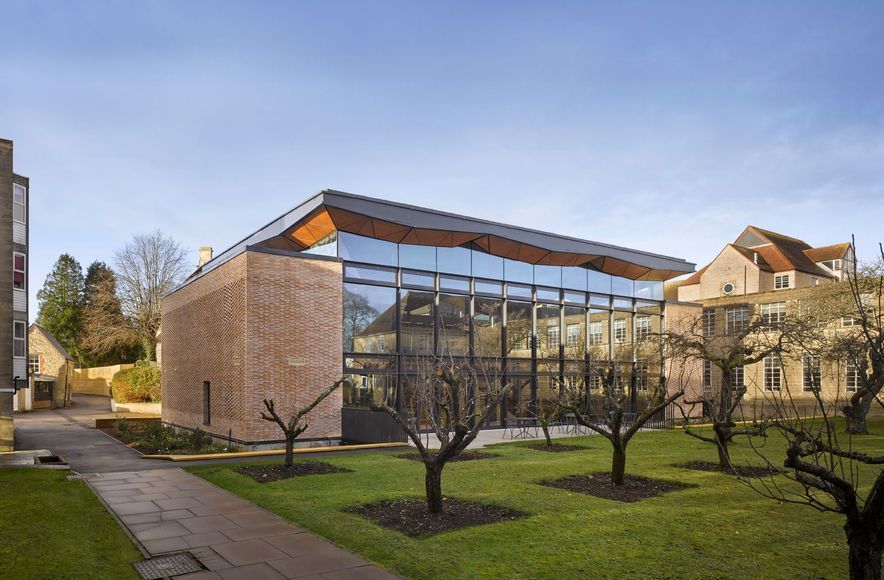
column 862, row 345
column 148, row 267
column 454, row 401
column 613, row 425
column 294, row 426
column 825, row 474
column 741, row 345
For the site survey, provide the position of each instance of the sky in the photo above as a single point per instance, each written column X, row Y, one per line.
column 661, row 126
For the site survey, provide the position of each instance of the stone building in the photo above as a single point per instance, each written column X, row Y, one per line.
column 50, row 370
column 346, row 285
column 769, row 275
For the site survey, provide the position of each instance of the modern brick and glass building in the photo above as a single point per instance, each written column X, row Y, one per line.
column 13, row 286
column 346, row 285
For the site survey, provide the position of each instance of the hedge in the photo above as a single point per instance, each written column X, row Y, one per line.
column 139, row 384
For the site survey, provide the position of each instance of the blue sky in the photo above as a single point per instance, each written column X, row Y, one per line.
column 661, row 126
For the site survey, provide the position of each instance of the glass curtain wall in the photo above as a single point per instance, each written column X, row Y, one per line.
column 544, row 326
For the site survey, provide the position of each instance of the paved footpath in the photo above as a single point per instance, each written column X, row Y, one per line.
column 171, row 510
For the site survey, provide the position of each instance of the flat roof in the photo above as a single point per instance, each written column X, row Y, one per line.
column 404, row 223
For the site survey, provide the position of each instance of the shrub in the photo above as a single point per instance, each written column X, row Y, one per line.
column 121, row 424
column 140, row 384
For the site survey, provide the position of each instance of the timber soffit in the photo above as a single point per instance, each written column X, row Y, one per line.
column 382, row 219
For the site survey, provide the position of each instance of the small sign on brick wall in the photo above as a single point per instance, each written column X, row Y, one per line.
column 296, row 362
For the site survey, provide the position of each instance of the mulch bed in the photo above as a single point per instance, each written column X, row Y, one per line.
column 412, row 518
column 634, row 488
column 462, row 456
column 555, row 447
column 276, row 472
column 739, row 470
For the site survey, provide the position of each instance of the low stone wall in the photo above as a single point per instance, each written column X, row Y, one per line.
column 145, row 408
column 96, row 380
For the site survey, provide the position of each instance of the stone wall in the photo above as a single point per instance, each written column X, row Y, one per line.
column 96, row 380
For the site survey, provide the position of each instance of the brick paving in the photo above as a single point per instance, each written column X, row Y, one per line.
column 170, row 510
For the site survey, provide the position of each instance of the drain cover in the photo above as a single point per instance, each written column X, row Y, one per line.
column 167, row 566
column 88, row 476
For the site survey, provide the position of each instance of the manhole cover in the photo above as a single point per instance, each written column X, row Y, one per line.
column 167, row 566
column 85, row 476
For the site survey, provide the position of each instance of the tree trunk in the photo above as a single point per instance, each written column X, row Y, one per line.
column 724, row 454
column 855, row 414
column 618, row 466
column 545, row 427
column 289, row 451
column 434, row 488
column 865, row 552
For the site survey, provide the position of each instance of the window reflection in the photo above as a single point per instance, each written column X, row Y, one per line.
column 515, row 271
column 548, row 275
column 518, row 329
column 369, row 319
column 361, row 249
column 417, row 257
column 454, row 324
column 488, row 326
column 453, row 260
column 417, row 322
column 487, row 265
column 548, row 330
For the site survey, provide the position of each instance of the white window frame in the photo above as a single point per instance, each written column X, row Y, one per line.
column 738, row 377
column 707, row 375
column 24, row 272
column 811, row 375
column 773, row 373
column 735, row 323
column 34, row 363
column 642, row 327
column 708, row 322
column 782, row 282
column 16, row 188
column 640, row 370
column 596, row 333
column 553, row 336
column 852, row 379
column 620, row 333
column 20, row 340
column 773, row 314
column 572, row 335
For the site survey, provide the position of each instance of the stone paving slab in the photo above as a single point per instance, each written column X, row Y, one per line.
column 170, row 510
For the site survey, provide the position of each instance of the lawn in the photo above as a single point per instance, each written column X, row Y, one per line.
column 686, row 533
column 54, row 528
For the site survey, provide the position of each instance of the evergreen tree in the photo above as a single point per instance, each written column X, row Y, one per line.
column 61, row 303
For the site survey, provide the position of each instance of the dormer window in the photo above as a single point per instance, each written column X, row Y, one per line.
column 781, row 282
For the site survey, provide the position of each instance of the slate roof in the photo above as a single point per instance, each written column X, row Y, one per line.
column 53, row 341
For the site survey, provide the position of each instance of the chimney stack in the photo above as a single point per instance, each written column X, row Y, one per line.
column 205, row 255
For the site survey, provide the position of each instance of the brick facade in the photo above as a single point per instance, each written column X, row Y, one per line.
column 266, row 324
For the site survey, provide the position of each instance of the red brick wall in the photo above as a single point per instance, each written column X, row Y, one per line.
column 204, row 340
column 294, row 341
column 260, row 326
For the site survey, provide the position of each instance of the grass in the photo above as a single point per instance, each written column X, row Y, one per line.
column 54, row 528
column 683, row 534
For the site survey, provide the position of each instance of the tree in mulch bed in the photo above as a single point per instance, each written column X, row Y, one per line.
column 293, row 427
column 612, row 427
column 462, row 456
column 634, row 487
column 738, row 470
column 410, row 516
column 268, row 473
column 449, row 397
column 554, row 447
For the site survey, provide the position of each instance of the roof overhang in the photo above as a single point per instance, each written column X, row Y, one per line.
column 332, row 210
